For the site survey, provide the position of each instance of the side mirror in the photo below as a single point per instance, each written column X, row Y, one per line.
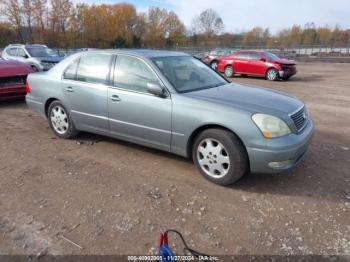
column 155, row 89
column 263, row 59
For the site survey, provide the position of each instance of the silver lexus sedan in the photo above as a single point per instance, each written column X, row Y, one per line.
column 174, row 102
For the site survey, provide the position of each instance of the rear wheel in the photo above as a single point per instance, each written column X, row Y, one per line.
column 60, row 121
column 229, row 71
column 272, row 74
column 214, row 65
column 219, row 156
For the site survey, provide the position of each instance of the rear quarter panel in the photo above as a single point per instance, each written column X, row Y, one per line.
column 43, row 87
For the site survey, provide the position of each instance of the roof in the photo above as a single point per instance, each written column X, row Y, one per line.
column 144, row 52
column 32, row 45
column 250, row 50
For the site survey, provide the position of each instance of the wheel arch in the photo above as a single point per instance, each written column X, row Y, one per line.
column 270, row 67
column 200, row 129
column 47, row 104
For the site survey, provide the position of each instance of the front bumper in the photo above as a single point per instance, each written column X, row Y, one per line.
column 286, row 73
column 281, row 154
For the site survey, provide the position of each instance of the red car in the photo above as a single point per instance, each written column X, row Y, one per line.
column 13, row 77
column 257, row 63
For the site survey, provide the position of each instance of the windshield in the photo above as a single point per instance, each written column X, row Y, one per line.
column 271, row 56
column 188, row 74
column 40, row 52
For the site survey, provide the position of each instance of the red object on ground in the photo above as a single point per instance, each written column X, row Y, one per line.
column 13, row 77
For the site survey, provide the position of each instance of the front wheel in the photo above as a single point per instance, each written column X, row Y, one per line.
column 229, row 71
column 219, row 156
column 60, row 121
column 272, row 74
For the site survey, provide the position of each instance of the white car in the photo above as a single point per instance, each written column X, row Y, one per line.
column 39, row 57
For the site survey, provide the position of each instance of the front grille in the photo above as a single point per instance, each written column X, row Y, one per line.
column 12, row 81
column 288, row 67
column 299, row 118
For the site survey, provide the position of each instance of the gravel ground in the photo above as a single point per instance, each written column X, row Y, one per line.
column 112, row 197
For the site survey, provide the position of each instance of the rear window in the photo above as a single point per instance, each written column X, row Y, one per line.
column 243, row 55
column 94, row 68
column 12, row 51
column 71, row 71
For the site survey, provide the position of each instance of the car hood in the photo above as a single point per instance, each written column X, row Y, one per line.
column 283, row 61
column 250, row 98
column 52, row 59
column 13, row 68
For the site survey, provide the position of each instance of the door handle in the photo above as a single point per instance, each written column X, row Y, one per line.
column 115, row 98
column 69, row 89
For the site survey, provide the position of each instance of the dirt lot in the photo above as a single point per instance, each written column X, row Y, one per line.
column 111, row 197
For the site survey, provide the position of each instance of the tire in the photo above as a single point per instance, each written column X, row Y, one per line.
column 219, row 156
column 229, row 72
column 60, row 121
column 272, row 74
column 214, row 65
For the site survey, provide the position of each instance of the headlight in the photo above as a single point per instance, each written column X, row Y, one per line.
column 271, row 126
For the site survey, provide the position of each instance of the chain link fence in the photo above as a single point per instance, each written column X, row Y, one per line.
column 299, row 53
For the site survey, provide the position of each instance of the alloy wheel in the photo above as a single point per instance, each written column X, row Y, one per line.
column 59, row 119
column 213, row 158
column 272, row 75
column 229, row 71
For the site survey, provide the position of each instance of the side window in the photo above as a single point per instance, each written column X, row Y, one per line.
column 254, row 56
column 133, row 74
column 71, row 71
column 242, row 55
column 20, row 52
column 93, row 68
column 12, row 51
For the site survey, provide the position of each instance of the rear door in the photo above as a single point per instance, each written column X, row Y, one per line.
column 256, row 66
column 84, row 86
column 135, row 114
column 241, row 63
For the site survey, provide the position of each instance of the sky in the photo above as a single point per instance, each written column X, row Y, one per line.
column 242, row 15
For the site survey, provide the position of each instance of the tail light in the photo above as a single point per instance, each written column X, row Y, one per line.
column 27, row 88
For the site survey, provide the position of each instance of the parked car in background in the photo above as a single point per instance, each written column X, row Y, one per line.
column 257, row 63
column 174, row 102
column 13, row 77
column 212, row 58
column 38, row 57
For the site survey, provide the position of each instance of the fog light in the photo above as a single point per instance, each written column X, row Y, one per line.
column 281, row 165
column 281, row 73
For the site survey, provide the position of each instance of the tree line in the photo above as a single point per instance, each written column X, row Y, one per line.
column 63, row 24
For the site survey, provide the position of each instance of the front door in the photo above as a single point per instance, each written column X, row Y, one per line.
column 256, row 66
column 134, row 114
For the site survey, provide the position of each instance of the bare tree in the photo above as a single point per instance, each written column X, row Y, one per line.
column 208, row 22
column 59, row 19
column 27, row 9
column 39, row 17
column 12, row 11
